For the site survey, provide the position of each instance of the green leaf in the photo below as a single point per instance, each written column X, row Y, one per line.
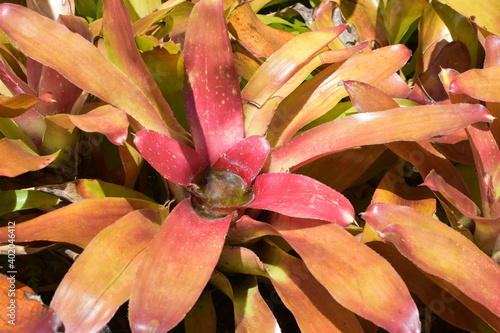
column 13, row 201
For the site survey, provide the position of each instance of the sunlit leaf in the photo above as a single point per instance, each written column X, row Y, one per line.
column 77, row 223
column 212, row 94
column 358, row 278
column 12, row 201
column 101, row 278
column 182, row 257
column 17, row 158
column 173, row 160
column 300, row 196
column 55, row 46
column 375, row 128
column 319, row 94
column 95, row 188
column 313, row 307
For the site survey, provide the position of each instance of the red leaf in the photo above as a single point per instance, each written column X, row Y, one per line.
column 246, row 158
column 101, row 279
column 300, row 196
column 212, row 92
column 173, row 160
column 176, row 267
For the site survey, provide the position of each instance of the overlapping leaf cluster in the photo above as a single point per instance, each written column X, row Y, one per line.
column 184, row 152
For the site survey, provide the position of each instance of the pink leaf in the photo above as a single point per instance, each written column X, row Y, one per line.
column 212, row 95
column 176, row 267
column 173, row 160
column 245, row 159
column 300, row 196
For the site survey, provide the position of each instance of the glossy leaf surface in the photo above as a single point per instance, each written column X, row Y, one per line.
column 366, row 282
column 245, row 159
column 55, row 46
column 121, row 49
column 173, row 160
column 183, row 255
column 12, row 201
column 77, row 223
column 17, row 158
column 300, row 196
column 313, row 307
column 375, row 128
column 101, row 278
column 212, row 93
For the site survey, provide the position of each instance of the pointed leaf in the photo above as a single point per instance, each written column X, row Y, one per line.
column 313, row 307
column 17, row 105
column 245, row 159
column 122, row 51
column 77, row 223
column 95, row 188
column 173, row 160
column 481, row 84
column 258, row 117
column 24, row 310
column 357, row 277
column 487, row 158
column 175, row 268
column 375, row 128
column 460, row 263
column 317, row 96
column 101, row 279
column 255, row 36
column 55, row 46
column 437, row 299
column 12, row 201
column 300, row 196
column 108, row 120
column 280, row 67
column 212, row 95
column 17, row 158
column 251, row 313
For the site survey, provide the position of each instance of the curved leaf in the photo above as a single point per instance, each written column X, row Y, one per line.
column 77, row 223
column 121, row 49
column 17, row 158
column 172, row 159
column 245, row 159
column 375, row 128
column 95, row 188
column 318, row 95
column 212, row 92
column 175, row 269
column 101, row 279
column 106, row 119
column 357, row 277
column 251, row 313
column 481, row 84
column 12, row 201
column 55, row 46
column 17, row 105
column 313, row 307
column 300, row 196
